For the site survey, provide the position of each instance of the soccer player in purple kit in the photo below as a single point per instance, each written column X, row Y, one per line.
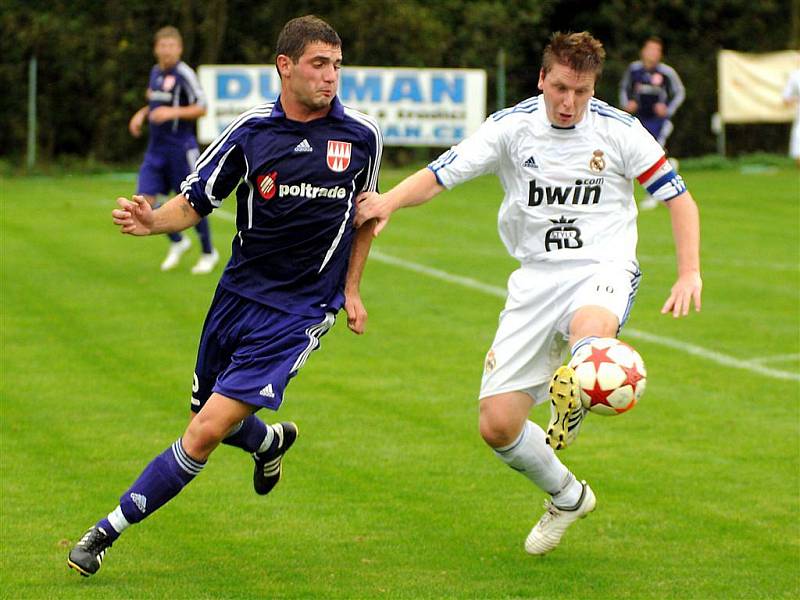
column 174, row 101
column 652, row 91
column 297, row 165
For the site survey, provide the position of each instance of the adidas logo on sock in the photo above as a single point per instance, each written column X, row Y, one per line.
column 303, row 146
column 531, row 162
column 140, row 501
column 267, row 391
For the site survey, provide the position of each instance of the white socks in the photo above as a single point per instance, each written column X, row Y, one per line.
column 118, row 520
column 533, row 457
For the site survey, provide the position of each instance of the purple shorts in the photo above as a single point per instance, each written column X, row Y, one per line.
column 165, row 168
column 249, row 351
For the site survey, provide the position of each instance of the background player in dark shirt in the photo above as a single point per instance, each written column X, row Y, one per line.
column 296, row 259
column 175, row 101
column 653, row 91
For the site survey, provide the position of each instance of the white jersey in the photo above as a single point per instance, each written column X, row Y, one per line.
column 792, row 91
column 568, row 192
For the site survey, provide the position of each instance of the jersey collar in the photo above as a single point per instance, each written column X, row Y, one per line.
column 336, row 112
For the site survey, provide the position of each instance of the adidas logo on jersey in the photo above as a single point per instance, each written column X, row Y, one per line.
column 267, row 391
column 140, row 500
column 531, row 162
column 303, row 146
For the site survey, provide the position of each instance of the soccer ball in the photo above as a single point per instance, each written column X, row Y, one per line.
column 611, row 376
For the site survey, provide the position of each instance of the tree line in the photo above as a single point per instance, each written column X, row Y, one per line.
column 94, row 56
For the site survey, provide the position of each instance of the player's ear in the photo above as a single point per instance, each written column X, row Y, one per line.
column 283, row 63
column 540, row 85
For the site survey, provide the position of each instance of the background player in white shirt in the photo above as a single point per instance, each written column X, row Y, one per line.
column 566, row 162
column 791, row 95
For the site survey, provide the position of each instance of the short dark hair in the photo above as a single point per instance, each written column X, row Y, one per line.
column 579, row 51
column 168, row 32
column 300, row 32
column 655, row 39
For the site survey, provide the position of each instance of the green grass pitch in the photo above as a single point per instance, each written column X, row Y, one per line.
column 390, row 492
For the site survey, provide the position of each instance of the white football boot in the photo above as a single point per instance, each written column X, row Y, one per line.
column 566, row 410
column 547, row 533
column 206, row 263
column 176, row 250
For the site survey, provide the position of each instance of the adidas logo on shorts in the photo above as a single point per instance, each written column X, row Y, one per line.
column 267, row 391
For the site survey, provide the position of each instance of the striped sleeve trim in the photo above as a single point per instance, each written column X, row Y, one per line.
column 444, row 160
column 195, row 89
column 257, row 112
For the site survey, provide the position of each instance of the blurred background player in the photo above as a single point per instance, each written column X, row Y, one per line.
column 791, row 96
column 297, row 165
column 566, row 162
column 174, row 101
column 652, row 90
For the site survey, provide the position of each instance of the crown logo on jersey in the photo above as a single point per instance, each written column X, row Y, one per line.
column 531, row 163
column 338, row 155
column 597, row 163
column 266, row 184
column 303, row 146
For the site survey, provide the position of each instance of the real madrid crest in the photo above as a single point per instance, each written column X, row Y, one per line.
column 491, row 362
column 597, row 163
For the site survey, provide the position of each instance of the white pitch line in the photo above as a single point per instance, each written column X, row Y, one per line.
column 717, row 357
column 493, row 290
column 779, row 358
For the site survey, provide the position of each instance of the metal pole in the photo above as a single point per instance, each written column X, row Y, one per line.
column 32, row 112
column 501, row 79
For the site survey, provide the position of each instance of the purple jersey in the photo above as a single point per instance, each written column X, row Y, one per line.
column 176, row 86
column 297, row 184
column 650, row 86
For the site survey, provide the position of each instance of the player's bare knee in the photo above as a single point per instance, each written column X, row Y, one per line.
column 497, row 429
column 203, row 435
column 593, row 321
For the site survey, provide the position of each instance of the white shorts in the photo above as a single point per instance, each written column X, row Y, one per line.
column 532, row 337
column 794, row 141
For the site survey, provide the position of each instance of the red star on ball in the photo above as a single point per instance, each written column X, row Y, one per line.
column 632, row 376
column 598, row 394
column 598, row 357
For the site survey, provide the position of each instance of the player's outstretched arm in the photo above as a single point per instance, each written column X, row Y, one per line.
column 413, row 190
column 191, row 112
column 353, row 305
column 136, row 216
column 686, row 231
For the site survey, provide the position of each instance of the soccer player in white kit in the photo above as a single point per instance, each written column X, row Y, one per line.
column 566, row 162
column 791, row 96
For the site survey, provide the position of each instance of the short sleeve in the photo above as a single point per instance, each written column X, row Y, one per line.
column 476, row 155
column 194, row 90
column 218, row 170
column 641, row 150
column 374, row 142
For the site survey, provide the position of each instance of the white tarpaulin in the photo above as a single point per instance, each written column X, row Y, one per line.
column 751, row 86
column 414, row 107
